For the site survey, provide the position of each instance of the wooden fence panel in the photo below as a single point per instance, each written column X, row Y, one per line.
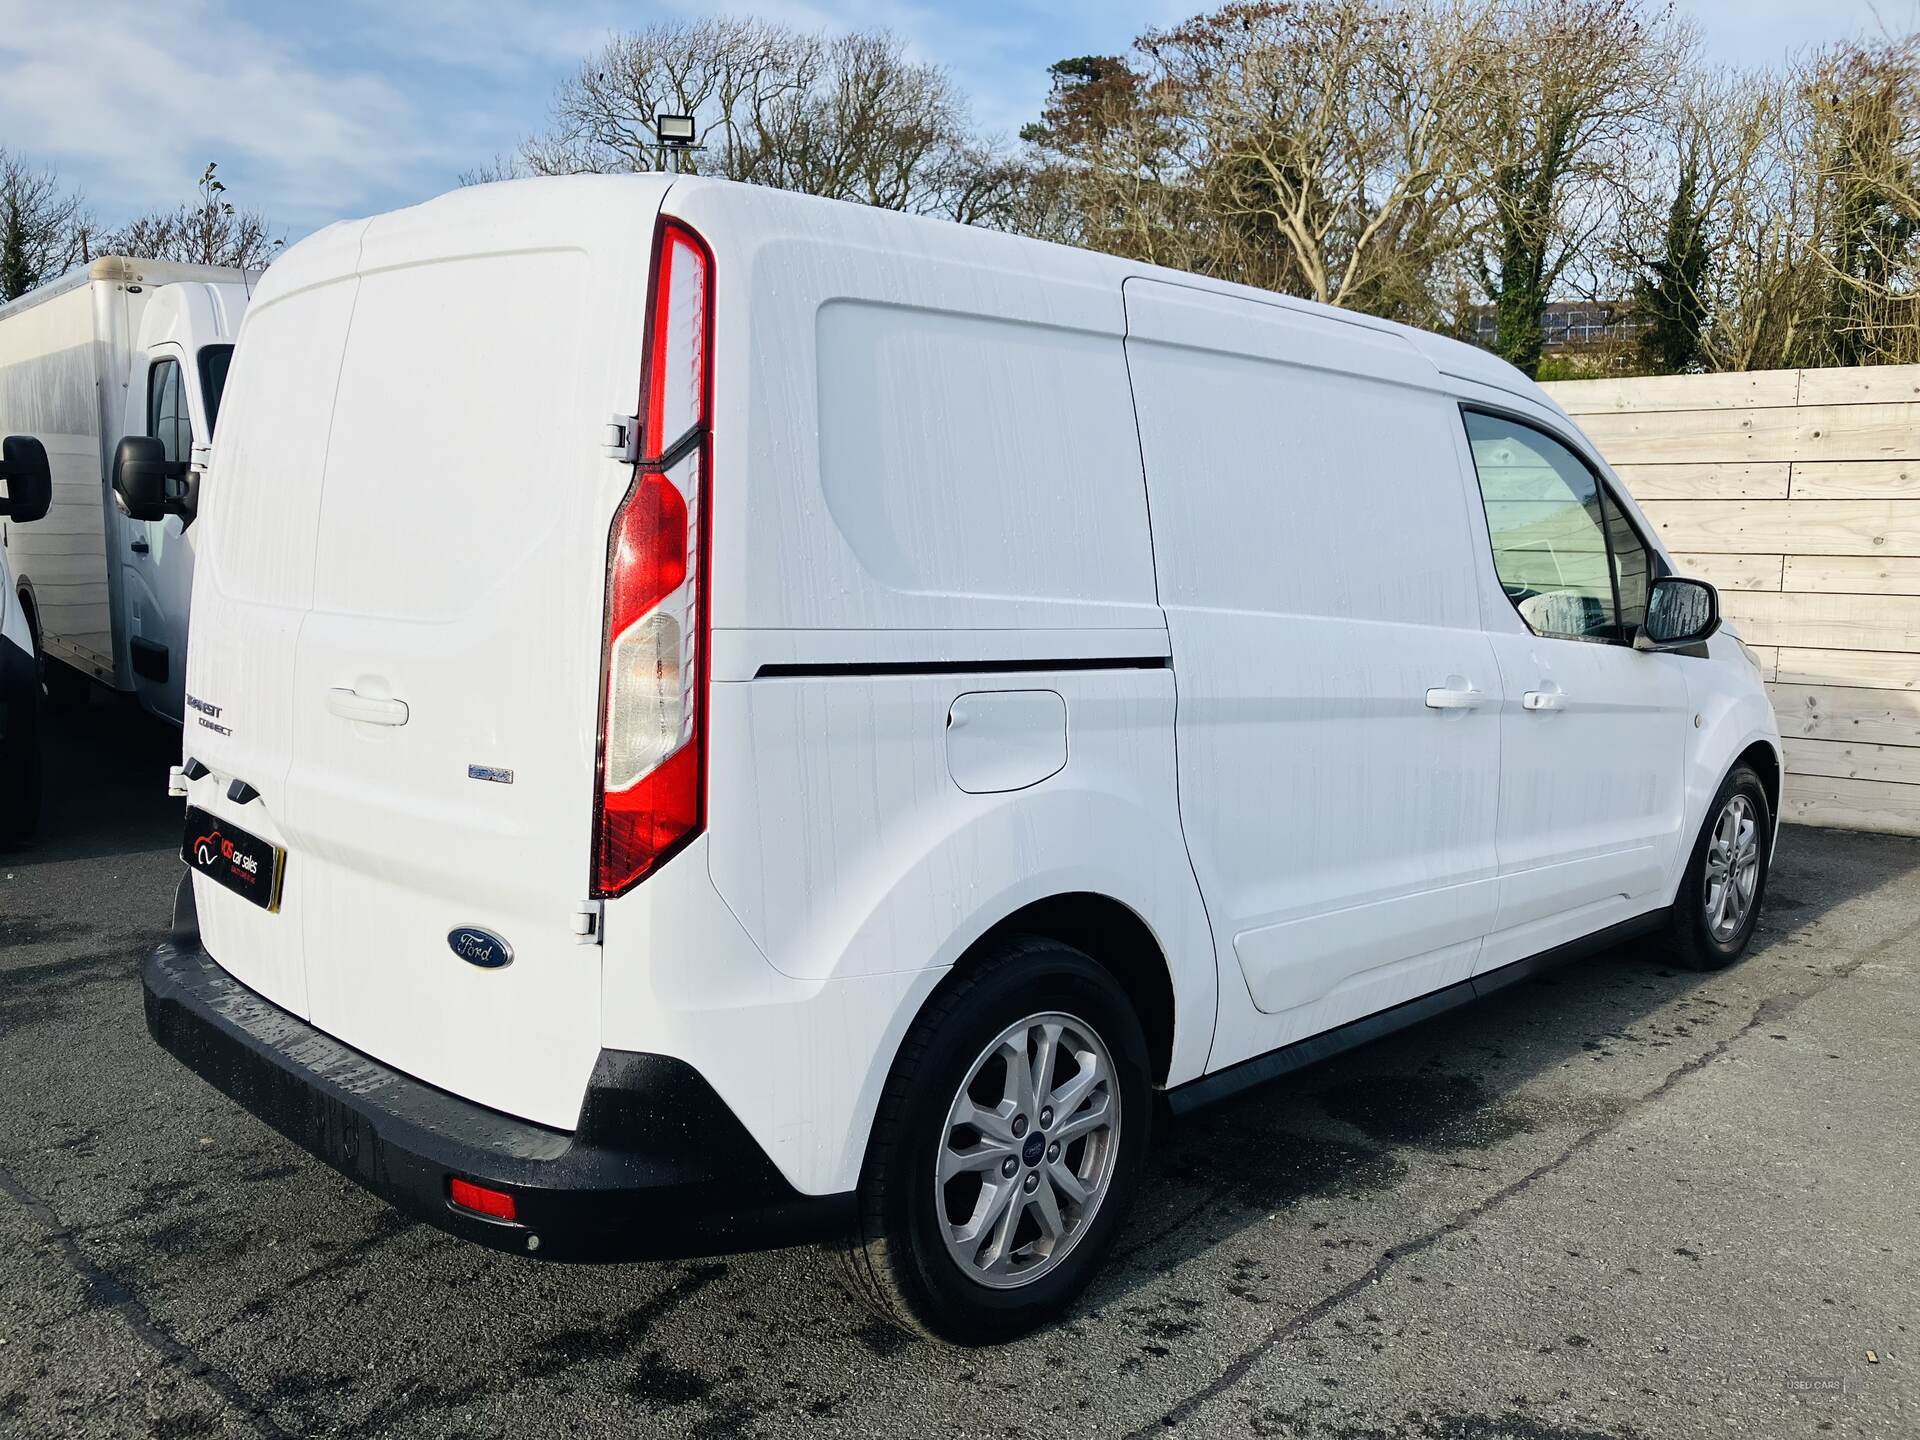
column 1797, row 493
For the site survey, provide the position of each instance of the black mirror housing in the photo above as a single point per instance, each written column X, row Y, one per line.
column 1682, row 616
column 141, row 476
column 26, row 479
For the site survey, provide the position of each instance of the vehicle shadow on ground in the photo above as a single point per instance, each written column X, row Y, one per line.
column 104, row 784
column 1450, row 1087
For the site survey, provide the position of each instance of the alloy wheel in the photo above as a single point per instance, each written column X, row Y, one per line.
column 1027, row 1153
column 1733, row 868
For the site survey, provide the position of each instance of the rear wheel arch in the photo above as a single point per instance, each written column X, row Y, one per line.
column 25, row 595
column 1765, row 761
column 1111, row 934
column 1108, row 931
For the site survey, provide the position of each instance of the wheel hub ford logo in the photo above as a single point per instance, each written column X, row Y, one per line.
column 480, row 947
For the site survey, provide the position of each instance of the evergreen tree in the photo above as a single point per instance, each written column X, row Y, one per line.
column 1671, row 297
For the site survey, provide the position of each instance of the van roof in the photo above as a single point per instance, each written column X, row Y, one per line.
column 126, row 270
column 449, row 224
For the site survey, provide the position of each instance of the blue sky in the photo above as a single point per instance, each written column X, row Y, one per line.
column 346, row 107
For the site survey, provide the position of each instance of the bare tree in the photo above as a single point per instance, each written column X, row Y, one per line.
column 209, row 230
column 1569, row 88
column 852, row 117
column 43, row 227
column 1329, row 132
column 1746, row 290
column 1863, row 104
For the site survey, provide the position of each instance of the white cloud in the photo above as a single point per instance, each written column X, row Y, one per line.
column 143, row 105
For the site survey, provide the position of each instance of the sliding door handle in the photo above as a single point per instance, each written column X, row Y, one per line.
column 1448, row 698
column 352, row 705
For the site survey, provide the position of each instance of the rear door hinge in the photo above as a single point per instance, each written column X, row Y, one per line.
column 587, row 916
column 620, row 438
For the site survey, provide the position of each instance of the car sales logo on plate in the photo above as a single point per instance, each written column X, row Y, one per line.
column 213, row 848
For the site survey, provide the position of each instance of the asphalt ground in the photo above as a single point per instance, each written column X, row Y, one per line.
column 1621, row 1201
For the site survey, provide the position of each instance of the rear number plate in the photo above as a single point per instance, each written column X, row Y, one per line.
column 230, row 856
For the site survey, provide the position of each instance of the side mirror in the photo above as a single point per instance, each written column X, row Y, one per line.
column 28, row 481
column 141, row 472
column 1681, row 615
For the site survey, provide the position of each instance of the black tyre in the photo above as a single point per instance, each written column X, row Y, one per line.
column 1726, row 880
column 1007, row 1148
column 19, row 792
column 19, row 746
column 66, row 687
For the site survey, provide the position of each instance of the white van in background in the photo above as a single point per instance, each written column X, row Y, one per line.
column 118, row 348
column 832, row 730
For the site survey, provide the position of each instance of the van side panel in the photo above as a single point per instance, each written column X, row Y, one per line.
column 1311, row 536
column 917, row 427
column 925, row 465
column 855, row 870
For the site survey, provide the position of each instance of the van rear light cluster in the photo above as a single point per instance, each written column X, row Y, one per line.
column 651, row 791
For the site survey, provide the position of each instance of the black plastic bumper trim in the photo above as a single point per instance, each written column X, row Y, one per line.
column 657, row 1167
column 1223, row 1084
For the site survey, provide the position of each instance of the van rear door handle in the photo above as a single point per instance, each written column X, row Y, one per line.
column 352, row 705
column 1443, row 698
column 1543, row 700
column 139, row 547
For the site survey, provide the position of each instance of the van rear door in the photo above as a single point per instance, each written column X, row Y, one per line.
column 252, row 589
column 446, row 687
column 408, row 565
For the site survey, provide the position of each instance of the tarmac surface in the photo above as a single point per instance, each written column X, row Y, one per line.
column 1623, row 1201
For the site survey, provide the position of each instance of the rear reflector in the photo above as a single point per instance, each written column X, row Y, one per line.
column 496, row 1204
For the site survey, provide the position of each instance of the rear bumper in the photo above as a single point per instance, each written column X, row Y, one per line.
column 658, row 1165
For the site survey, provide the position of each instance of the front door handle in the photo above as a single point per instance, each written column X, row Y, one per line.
column 1449, row 698
column 1543, row 700
column 352, row 705
column 140, row 547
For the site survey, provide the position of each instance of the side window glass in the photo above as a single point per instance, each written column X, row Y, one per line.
column 1548, row 529
column 1632, row 567
column 167, row 419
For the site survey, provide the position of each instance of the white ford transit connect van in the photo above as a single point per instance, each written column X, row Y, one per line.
column 716, row 716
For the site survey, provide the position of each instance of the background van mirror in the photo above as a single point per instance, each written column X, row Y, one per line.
column 143, row 479
column 1680, row 614
column 26, row 484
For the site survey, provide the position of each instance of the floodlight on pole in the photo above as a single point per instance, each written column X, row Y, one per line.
column 676, row 134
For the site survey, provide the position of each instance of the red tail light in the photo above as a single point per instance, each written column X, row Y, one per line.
column 651, row 790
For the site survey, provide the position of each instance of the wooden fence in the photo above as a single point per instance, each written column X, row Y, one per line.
column 1797, row 492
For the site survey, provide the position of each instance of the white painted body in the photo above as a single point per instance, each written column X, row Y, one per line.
column 76, row 357
column 1034, row 573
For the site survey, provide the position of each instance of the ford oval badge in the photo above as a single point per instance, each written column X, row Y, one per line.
column 480, row 947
